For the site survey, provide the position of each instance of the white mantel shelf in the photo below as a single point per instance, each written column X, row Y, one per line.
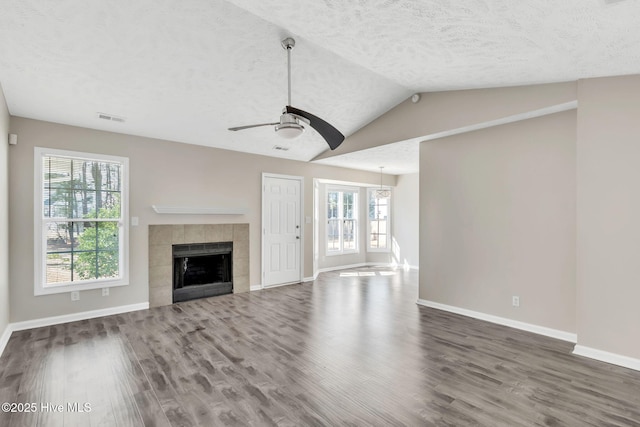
column 194, row 210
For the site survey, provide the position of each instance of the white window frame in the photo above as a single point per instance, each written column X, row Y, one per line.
column 356, row 219
column 40, row 226
column 370, row 195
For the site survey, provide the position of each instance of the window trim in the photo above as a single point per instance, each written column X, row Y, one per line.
column 342, row 189
column 39, row 224
column 370, row 195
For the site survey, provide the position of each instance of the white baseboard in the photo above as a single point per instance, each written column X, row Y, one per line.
column 341, row 267
column 4, row 339
column 304, row 280
column 359, row 265
column 277, row 285
column 56, row 320
column 541, row 330
column 403, row 266
column 605, row 356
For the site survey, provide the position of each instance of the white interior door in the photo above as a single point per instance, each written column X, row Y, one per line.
column 281, row 229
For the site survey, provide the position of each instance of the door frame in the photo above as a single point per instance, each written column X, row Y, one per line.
column 266, row 175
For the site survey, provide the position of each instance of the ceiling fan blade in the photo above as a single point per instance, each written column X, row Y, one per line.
column 332, row 135
column 253, row 126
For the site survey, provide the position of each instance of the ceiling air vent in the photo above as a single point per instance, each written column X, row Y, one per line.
column 280, row 147
column 110, row 117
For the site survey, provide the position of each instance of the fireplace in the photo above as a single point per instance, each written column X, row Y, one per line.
column 202, row 270
column 162, row 238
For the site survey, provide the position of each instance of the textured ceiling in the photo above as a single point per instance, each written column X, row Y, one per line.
column 433, row 45
column 188, row 70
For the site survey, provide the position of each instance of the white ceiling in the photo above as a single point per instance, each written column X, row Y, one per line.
column 187, row 70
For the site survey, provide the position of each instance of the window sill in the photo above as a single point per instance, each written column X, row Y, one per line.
column 60, row 289
column 342, row 253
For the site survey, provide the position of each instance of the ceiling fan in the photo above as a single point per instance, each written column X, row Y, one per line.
column 292, row 119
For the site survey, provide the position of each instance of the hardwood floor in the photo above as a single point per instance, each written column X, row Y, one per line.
column 352, row 348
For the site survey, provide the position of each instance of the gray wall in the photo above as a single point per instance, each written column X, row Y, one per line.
column 405, row 208
column 497, row 219
column 604, row 310
column 4, row 214
column 608, row 243
column 443, row 111
column 162, row 172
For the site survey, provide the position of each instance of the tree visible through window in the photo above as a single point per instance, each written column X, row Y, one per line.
column 82, row 219
column 342, row 220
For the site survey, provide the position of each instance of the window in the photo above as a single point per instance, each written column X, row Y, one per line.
column 378, row 222
column 81, row 233
column 342, row 220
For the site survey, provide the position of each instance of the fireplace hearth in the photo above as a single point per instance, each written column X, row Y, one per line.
column 202, row 270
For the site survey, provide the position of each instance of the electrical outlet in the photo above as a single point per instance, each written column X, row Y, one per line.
column 75, row 295
column 515, row 301
column 105, row 292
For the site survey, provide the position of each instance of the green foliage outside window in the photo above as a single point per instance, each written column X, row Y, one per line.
column 97, row 249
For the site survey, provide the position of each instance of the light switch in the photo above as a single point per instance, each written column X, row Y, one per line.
column 134, row 221
column 307, row 219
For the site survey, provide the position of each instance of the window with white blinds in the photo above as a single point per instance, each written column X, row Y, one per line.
column 81, row 227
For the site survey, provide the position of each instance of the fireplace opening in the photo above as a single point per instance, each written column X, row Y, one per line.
column 202, row 270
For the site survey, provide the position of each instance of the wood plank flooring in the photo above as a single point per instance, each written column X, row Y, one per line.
column 351, row 349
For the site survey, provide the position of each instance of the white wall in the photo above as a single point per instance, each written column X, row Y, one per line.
column 4, row 215
column 162, row 172
column 405, row 218
column 497, row 219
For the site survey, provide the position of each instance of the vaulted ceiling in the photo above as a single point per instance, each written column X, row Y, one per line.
column 188, row 70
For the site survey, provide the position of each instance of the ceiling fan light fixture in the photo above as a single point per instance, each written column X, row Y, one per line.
column 289, row 130
column 289, row 126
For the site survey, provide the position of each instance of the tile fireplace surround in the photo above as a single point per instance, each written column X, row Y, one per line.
column 161, row 239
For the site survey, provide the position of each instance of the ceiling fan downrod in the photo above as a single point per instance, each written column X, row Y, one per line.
column 288, row 44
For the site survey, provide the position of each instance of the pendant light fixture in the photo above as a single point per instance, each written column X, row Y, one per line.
column 382, row 193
